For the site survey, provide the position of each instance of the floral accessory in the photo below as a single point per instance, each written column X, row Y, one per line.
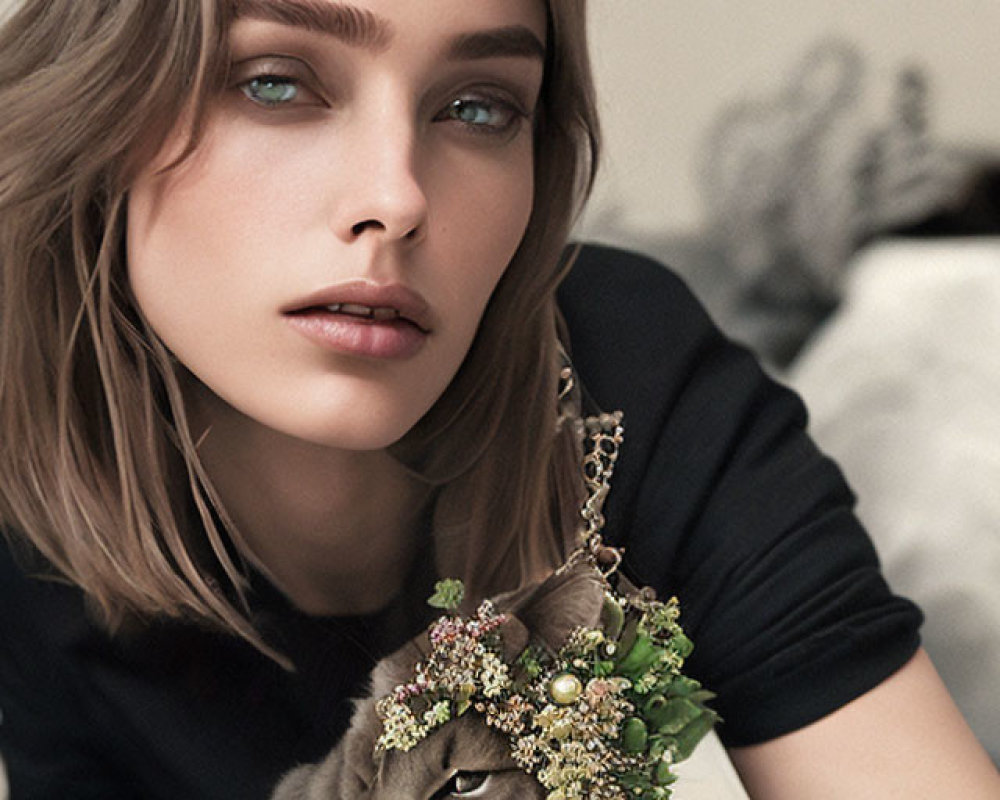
column 607, row 715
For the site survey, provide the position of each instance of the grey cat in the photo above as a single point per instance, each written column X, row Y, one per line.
column 465, row 757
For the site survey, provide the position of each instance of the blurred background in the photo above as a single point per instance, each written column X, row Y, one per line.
column 779, row 136
column 826, row 176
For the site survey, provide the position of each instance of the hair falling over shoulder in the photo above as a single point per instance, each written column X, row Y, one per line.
column 99, row 473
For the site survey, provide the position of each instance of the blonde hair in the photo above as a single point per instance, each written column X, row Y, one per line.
column 98, row 470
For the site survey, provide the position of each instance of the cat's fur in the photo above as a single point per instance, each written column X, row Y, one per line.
column 545, row 614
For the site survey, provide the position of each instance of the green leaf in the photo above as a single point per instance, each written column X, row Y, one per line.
column 448, row 594
column 682, row 686
column 637, row 661
column 530, row 661
column 673, row 717
column 634, row 735
column 603, row 668
column 693, row 733
column 655, row 702
column 663, row 775
column 681, row 645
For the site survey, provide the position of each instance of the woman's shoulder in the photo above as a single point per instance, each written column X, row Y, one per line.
column 643, row 344
column 636, row 333
column 616, row 282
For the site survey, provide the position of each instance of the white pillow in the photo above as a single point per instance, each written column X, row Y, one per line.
column 903, row 387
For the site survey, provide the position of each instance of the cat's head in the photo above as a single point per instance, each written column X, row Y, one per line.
column 464, row 757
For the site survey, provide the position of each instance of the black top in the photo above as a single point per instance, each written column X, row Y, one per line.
column 719, row 497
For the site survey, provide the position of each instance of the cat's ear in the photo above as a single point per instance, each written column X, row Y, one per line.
column 563, row 602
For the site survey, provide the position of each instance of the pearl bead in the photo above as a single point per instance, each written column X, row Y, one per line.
column 565, row 689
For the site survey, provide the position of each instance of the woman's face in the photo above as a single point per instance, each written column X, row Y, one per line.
column 322, row 260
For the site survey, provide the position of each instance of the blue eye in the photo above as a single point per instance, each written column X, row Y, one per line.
column 486, row 115
column 271, row 90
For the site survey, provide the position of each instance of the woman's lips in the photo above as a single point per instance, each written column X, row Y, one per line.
column 382, row 334
column 378, row 314
column 363, row 319
column 360, row 297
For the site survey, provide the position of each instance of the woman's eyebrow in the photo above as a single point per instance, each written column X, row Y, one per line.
column 512, row 40
column 352, row 25
column 362, row 28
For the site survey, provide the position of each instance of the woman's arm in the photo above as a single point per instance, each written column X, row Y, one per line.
column 904, row 739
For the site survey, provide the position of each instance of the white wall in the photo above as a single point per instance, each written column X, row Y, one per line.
column 664, row 67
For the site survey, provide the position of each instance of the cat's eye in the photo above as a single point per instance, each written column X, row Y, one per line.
column 463, row 784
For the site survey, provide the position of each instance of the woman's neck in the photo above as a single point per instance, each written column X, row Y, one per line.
column 335, row 530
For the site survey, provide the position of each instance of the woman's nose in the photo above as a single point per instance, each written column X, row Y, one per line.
column 387, row 198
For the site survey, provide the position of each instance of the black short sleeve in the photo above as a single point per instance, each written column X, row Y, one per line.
column 721, row 498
